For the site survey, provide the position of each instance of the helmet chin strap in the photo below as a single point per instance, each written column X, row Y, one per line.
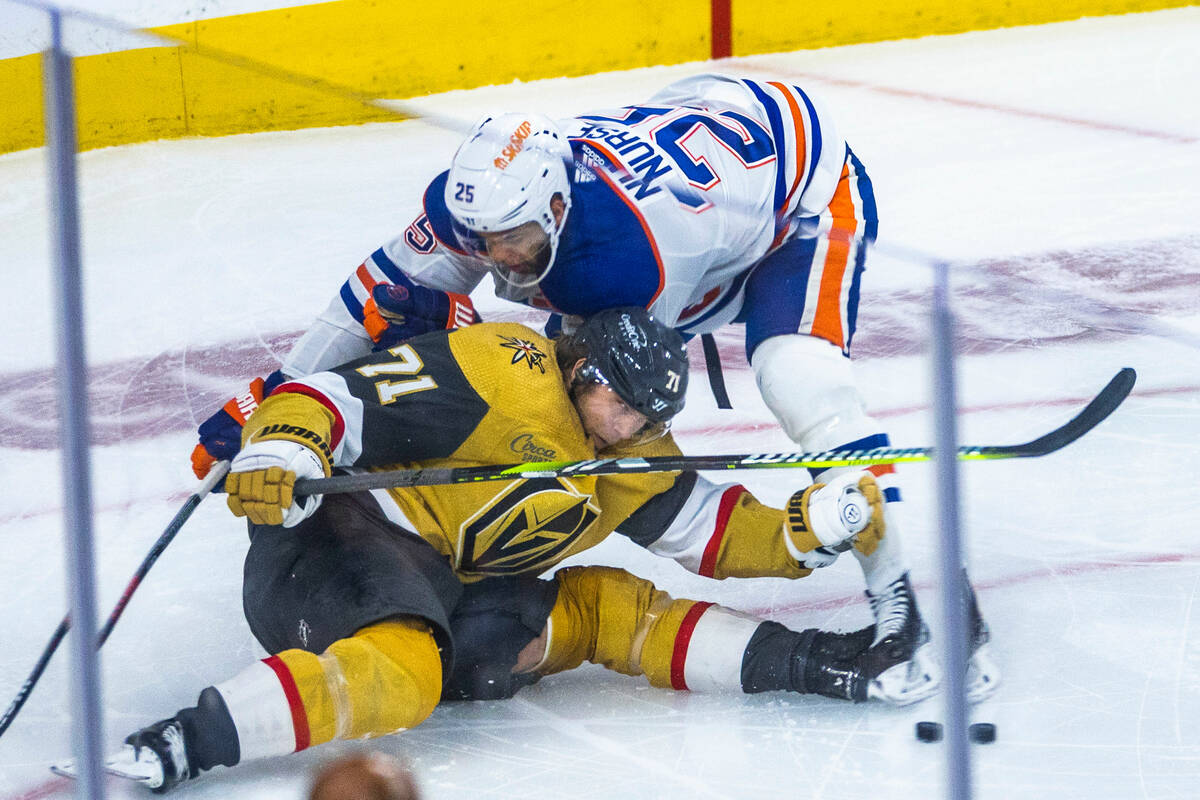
column 526, row 282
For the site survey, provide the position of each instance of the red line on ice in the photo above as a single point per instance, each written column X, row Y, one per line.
column 979, row 104
column 174, row 497
column 1000, row 582
column 46, row 789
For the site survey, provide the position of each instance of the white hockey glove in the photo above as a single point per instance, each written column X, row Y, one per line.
column 261, row 479
column 827, row 519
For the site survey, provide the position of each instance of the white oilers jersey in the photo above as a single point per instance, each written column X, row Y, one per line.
column 674, row 201
column 718, row 171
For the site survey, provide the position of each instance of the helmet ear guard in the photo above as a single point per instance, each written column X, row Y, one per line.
column 504, row 175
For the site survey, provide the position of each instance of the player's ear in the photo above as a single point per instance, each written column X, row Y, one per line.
column 574, row 369
column 558, row 208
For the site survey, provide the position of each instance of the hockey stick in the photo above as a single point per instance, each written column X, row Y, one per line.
column 1092, row 415
column 215, row 475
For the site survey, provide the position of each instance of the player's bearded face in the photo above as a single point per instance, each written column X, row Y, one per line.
column 525, row 249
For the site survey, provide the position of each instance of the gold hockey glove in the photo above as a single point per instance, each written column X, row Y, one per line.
column 262, row 476
column 829, row 518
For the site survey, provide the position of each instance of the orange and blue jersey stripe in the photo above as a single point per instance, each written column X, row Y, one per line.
column 376, row 269
column 850, row 222
column 810, row 283
column 796, row 132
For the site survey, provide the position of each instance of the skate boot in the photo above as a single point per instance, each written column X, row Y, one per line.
column 899, row 665
column 807, row 662
column 163, row 755
column 983, row 674
column 831, row 665
column 156, row 757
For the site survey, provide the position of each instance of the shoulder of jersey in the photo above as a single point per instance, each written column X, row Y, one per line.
column 440, row 221
column 498, row 356
column 608, row 255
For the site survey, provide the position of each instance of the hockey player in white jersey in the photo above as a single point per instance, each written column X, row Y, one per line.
column 718, row 200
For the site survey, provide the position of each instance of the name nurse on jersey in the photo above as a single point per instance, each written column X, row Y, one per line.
column 671, row 129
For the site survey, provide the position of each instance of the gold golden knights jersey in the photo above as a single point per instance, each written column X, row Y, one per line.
column 492, row 393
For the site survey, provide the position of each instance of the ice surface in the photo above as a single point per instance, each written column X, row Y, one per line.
column 1056, row 165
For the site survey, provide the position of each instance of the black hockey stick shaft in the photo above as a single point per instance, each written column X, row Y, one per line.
column 1096, row 411
column 210, row 481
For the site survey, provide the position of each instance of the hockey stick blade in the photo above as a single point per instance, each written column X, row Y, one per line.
column 1096, row 411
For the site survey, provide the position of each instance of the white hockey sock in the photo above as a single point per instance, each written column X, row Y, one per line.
column 261, row 710
column 709, row 657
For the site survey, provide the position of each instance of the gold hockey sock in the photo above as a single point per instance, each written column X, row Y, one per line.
column 610, row 617
column 384, row 678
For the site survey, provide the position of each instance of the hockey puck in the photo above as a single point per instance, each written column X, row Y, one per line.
column 982, row 732
column 929, row 731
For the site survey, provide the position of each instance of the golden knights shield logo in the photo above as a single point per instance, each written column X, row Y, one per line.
column 525, row 527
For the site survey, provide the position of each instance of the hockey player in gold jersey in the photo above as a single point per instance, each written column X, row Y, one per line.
column 377, row 605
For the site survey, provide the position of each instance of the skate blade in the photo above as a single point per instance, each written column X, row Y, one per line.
column 911, row 682
column 123, row 765
column 983, row 675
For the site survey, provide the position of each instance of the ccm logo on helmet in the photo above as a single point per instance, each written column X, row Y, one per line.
column 516, row 143
column 633, row 334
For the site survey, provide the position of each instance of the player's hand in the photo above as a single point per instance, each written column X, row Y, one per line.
column 395, row 313
column 221, row 434
column 262, row 478
column 827, row 519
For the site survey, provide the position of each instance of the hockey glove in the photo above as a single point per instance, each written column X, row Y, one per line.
column 261, row 479
column 287, row 440
column 827, row 519
column 395, row 312
column 221, row 434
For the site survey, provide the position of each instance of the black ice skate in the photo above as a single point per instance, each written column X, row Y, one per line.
column 983, row 674
column 899, row 665
column 809, row 662
column 155, row 756
column 163, row 755
column 831, row 664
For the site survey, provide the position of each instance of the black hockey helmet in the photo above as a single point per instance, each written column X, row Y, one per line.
column 638, row 357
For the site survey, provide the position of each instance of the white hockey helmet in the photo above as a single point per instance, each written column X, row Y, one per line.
column 504, row 176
